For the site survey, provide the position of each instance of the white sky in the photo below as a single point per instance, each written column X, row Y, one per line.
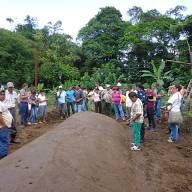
column 75, row 14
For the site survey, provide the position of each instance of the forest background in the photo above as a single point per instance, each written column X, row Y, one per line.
column 107, row 50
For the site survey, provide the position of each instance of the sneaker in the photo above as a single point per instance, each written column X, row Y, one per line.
column 170, row 140
column 29, row 123
column 135, row 148
column 132, row 144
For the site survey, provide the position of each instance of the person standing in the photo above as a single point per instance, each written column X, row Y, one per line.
column 116, row 99
column 106, row 95
column 97, row 100
column 128, row 101
column 33, row 103
column 10, row 102
column 23, row 105
column 143, row 98
column 79, row 96
column 136, row 120
column 42, row 109
column 151, row 109
column 159, row 94
column 174, row 108
column 61, row 97
column 5, row 122
column 70, row 100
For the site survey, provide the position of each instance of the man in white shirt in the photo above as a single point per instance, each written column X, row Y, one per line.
column 61, row 99
column 5, row 122
column 10, row 102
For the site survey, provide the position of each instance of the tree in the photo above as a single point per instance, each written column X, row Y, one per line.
column 16, row 58
column 100, row 37
column 157, row 74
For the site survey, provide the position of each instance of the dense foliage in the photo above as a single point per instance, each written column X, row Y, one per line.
column 108, row 49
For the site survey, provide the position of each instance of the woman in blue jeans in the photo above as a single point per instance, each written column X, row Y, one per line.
column 174, row 108
column 116, row 99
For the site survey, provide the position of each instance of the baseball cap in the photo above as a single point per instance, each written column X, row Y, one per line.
column 60, row 87
column 107, row 85
column 10, row 84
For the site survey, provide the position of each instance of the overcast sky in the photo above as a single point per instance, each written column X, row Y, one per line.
column 74, row 14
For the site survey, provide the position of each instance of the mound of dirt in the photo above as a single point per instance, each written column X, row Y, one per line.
column 90, row 152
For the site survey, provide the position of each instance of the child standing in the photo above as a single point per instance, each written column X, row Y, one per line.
column 136, row 120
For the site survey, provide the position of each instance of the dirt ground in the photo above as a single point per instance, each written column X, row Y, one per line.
column 159, row 167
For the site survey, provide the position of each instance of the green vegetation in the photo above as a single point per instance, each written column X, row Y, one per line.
column 108, row 50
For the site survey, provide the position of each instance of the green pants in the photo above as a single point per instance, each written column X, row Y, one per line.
column 136, row 127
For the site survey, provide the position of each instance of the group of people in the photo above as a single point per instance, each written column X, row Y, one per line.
column 32, row 107
column 131, row 106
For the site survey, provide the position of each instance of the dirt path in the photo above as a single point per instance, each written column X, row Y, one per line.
column 90, row 153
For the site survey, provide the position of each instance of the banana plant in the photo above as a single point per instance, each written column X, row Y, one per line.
column 157, row 73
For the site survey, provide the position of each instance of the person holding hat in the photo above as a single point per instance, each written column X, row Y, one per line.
column 11, row 102
column 5, row 122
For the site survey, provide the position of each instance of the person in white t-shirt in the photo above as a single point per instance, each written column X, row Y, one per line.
column 11, row 102
column 5, row 122
column 97, row 100
column 174, row 108
column 42, row 109
column 128, row 101
column 61, row 99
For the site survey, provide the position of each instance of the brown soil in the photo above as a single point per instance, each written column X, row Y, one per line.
column 31, row 132
column 159, row 167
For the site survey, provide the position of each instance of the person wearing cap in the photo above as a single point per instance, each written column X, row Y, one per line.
column 61, row 98
column 11, row 102
column 5, row 122
column 119, row 86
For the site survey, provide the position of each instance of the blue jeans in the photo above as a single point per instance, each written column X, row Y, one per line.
column 33, row 116
column 174, row 131
column 86, row 104
column 158, row 108
column 78, row 108
column 4, row 141
column 119, row 111
column 23, row 110
column 62, row 108
column 72, row 105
